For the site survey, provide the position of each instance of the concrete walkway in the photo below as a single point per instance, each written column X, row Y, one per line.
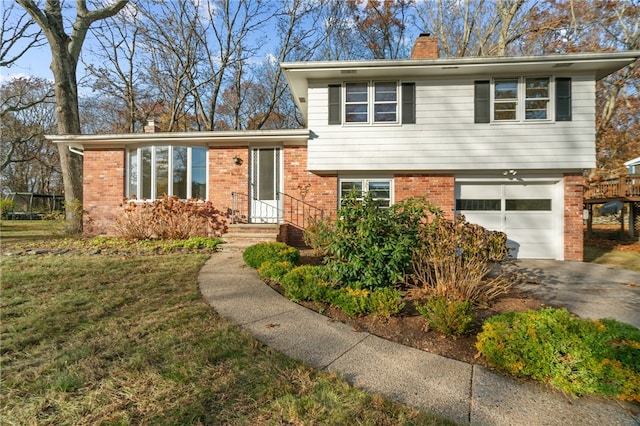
column 461, row 392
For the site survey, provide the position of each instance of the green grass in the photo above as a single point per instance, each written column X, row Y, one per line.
column 615, row 258
column 128, row 340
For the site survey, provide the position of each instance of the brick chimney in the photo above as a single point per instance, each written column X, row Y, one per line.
column 425, row 47
column 151, row 127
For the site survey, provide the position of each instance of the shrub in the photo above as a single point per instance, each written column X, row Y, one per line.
column 453, row 260
column 318, row 234
column 307, row 283
column 575, row 355
column 385, row 302
column 353, row 302
column 274, row 271
column 257, row 254
column 195, row 243
column 451, row 317
column 6, row 206
column 169, row 218
column 370, row 247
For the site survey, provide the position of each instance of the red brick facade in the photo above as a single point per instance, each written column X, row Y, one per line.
column 439, row 189
column 425, row 47
column 573, row 208
column 103, row 189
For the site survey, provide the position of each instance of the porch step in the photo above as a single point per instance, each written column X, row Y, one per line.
column 241, row 236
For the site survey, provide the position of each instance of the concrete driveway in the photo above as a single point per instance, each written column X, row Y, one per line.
column 586, row 289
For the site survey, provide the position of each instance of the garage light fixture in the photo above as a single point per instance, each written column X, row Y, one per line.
column 510, row 172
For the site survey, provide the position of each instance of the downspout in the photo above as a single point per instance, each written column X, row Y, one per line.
column 76, row 151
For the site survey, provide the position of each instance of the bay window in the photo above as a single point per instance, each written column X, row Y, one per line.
column 154, row 171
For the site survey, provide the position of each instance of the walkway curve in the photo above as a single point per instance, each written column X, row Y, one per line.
column 461, row 392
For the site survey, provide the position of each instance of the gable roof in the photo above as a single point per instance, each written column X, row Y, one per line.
column 599, row 64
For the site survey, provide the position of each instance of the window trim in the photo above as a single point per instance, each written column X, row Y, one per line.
column 365, row 186
column 154, row 171
column 405, row 103
column 559, row 101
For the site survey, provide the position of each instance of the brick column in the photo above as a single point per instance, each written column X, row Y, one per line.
column 573, row 205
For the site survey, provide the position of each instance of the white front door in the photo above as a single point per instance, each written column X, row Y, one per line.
column 529, row 213
column 266, row 181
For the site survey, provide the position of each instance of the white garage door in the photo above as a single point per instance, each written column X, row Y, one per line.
column 527, row 212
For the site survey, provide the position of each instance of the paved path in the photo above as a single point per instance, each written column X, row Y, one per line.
column 461, row 392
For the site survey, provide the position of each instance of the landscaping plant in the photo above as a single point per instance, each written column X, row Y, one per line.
column 450, row 317
column 575, row 355
column 169, row 218
column 257, row 254
column 454, row 260
column 369, row 246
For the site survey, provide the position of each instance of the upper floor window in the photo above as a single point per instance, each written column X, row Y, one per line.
column 523, row 99
column 154, row 171
column 372, row 102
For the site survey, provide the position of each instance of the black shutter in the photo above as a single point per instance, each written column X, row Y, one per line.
column 482, row 101
column 563, row 99
column 408, row 103
column 335, row 112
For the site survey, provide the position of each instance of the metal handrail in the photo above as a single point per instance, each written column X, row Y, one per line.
column 298, row 213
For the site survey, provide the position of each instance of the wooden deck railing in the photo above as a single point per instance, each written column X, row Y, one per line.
column 627, row 187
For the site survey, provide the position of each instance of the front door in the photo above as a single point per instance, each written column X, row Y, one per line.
column 265, row 185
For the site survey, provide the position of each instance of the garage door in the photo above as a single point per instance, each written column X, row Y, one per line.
column 527, row 213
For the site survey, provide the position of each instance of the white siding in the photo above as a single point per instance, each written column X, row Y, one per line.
column 445, row 136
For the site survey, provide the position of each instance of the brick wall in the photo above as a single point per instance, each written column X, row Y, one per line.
column 573, row 206
column 103, row 189
column 225, row 176
column 439, row 189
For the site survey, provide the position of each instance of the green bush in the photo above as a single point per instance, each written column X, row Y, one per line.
column 385, row 302
column 6, row 206
column 575, row 355
column 370, row 247
column 274, row 271
column 451, row 317
column 307, row 283
column 353, row 302
column 257, row 254
column 318, row 234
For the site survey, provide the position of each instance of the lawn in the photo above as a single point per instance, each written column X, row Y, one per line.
column 115, row 339
column 616, row 258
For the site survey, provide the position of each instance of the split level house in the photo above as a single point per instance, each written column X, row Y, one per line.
column 502, row 140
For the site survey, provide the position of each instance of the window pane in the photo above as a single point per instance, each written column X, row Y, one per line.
column 506, row 89
column 380, row 189
column 180, row 171
column 530, row 204
column 385, row 92
column 133, row 173
column 145, row 153
column 162, row 171
column 505, row 111
column 266, row 177
column 537, row 88
column 356, row 92
column 347, row 187
column 356, row 113
column 385, row 112
column 478, row 205
column 199, row 172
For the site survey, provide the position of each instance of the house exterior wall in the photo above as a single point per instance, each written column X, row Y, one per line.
column 226, row 177
column 445, row 136
column 103, row 189
column 573, row 221
column 438, row 189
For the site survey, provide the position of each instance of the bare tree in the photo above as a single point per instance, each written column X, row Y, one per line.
column 29, row 163
column 19, row 34
column 65, row 52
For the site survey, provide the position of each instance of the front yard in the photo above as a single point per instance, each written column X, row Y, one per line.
column 127, row 339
